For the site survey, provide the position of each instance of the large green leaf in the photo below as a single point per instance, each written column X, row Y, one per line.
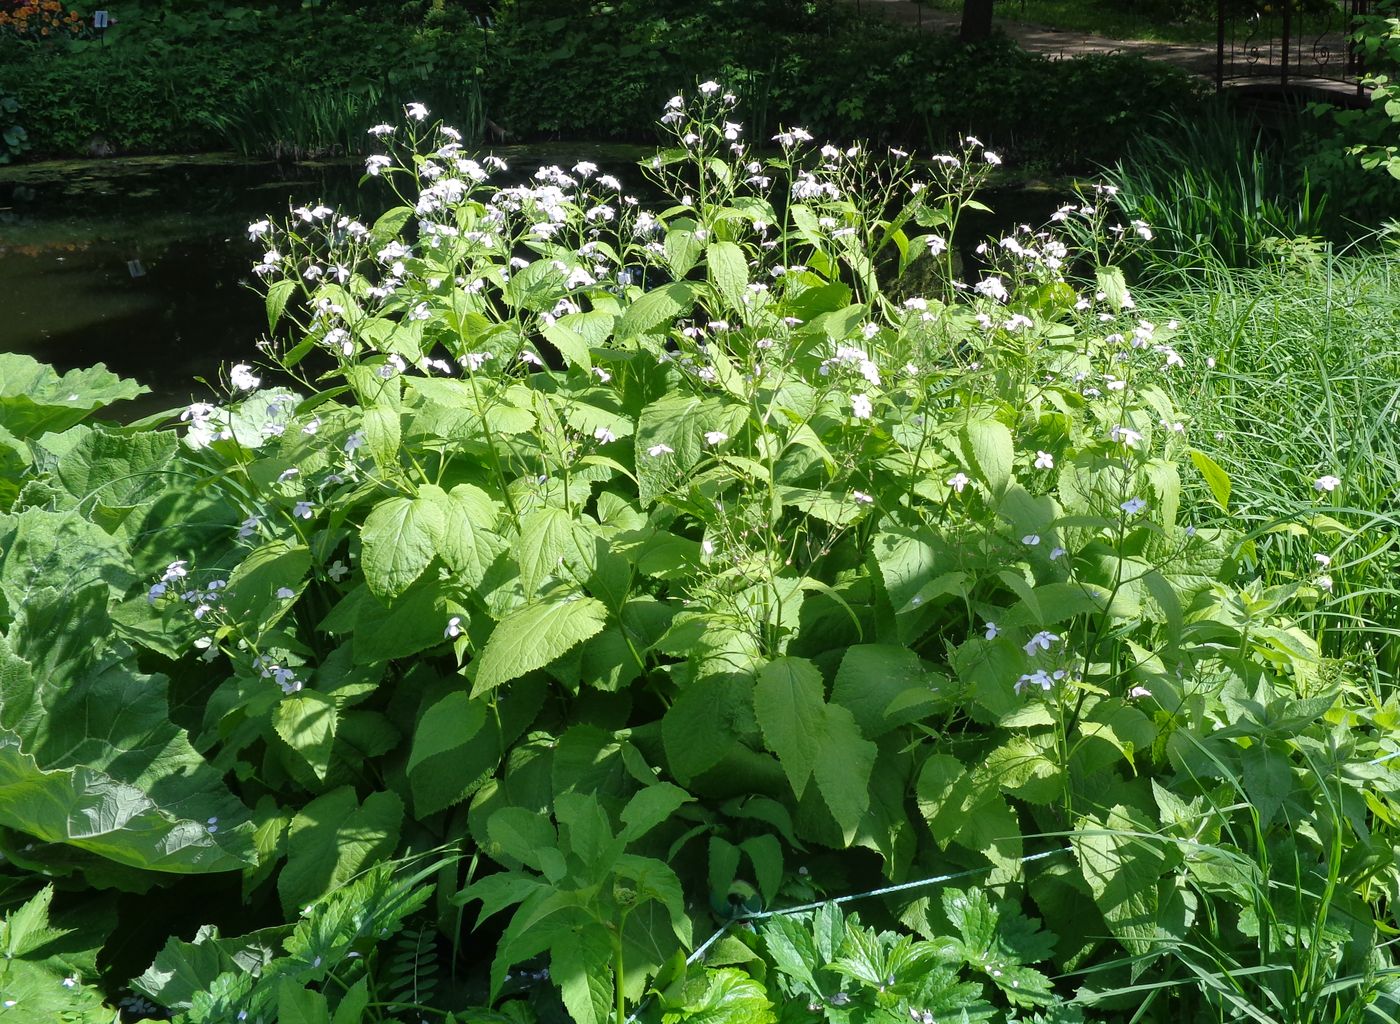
column 812, row 737
column 1131, row 875
column 400, row 539
column 729, row 271
column 307, row 723
column 533, row 636
column 87, row 809
column 989, row 449
column 34, row 399
column 966, row 807
column 334, row 838
column 580, row 967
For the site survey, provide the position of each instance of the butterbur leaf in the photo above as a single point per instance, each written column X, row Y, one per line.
column 34, row 399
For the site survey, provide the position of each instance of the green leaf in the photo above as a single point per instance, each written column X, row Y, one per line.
column 869, row 680
column 276, row 303
column 576, row 334
column 1130, row 875
column 990, row 451
column 35, row 400
column 791, row 947
column 811, row 737
column 448, row 734
column 400, row 540
column 1114, row 287
column 1216, row 478
column 724, row 996
column 334, row 838
column 466, row 542
column 306, row 722
column 533, row 636
column 966, row 807
column 297, row 1004
column 650, row 807
column 383, row 427
column 580, row 966
column 790, row 709
column 730, row 272
column 657, row 308
column 544, row 537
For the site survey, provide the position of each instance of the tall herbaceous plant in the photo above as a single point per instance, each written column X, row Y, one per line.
column 646, row 556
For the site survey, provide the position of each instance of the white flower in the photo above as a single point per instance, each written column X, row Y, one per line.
column 416, row 111
column 603, row 375
column 338, row 571
column 1322, row 560
column 377, row 163
column 992, row 630
column 473, row 361
column 311, row 427
column 258, row 228
column 70, row 982
column 1044, row 460
column 861, row 407
column 861, row 498
column 716, row 437
column 1133, row 506
column 1139, row 691
column 937, row 244
column 241, row 378
column 355, row 440
column 454, row 628
column 303, row 510
column 1125, row 435
column 526, row 356
column 991, row 158
column 1041, row 641
column 958, row 481
column 709, row 88
column 1327, row 483
column 675, row 103
column 381, row 130
column 658, row 450
column 604, row 436
column 1325, row 582
column 285, row 593
column 1030, row 540
column 993, row 288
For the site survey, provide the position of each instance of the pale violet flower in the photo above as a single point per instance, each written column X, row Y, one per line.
column 355, row 440
column 715, row 437
column 1327, row 483
column 604, row 436
column 993, row 288
column 338, row 571
column 603, row 375
column 1325, row 582
column 657, row 450
column 992, row 630
column 861, row 407
column 1125, row 435
column 248, row 527
column 1039, row 678
column 1139, row 691
column 377, row 163
column 1057, row 553
column 1044, row 460
column 242, row 378
column 454, row 628
column 156, row 592
column 1322, row 560
column 310, row 429
column 1041, row 641
column 958, row 481
column 709, row 88
column 303, row 510
column 1030, row 540
column 1133, row 506
column 285, row 593
column 416, row 111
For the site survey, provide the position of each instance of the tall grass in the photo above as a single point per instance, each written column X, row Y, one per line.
column 273, row 119
column 1216, row 187
column 1305, row 383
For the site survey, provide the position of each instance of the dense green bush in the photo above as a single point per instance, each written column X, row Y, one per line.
column 292, row 81
column 647, row 571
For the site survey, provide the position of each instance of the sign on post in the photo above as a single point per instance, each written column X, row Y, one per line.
column 99, row 19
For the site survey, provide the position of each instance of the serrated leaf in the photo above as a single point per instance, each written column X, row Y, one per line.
column 990, row 450
column 729, row 271
column 400, row 540
column 580, row 967
column 657, row 308
column 533, row 636
column 307, row 723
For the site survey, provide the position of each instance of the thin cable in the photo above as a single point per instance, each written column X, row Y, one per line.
column 804, row 907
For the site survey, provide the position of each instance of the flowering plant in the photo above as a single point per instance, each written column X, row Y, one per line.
column 39, row 20
column 649, row 549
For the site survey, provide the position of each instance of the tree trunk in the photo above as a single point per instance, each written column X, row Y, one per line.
column 976, row 20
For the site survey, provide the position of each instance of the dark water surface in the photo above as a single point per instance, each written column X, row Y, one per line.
column 144, row 264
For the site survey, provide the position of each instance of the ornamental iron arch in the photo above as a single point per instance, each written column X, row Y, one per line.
column 1289, row 43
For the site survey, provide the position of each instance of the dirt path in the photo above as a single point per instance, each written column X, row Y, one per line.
column 1197, row 59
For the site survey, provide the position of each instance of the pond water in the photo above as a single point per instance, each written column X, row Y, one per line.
column 144, row 264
